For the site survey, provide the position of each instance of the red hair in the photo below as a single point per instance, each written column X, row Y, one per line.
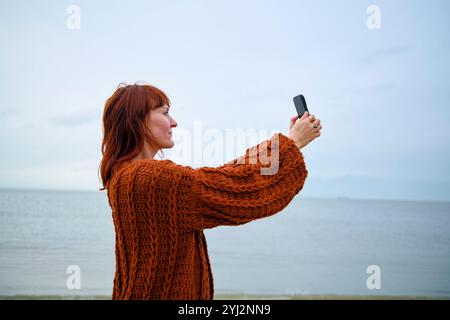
column 125, row 125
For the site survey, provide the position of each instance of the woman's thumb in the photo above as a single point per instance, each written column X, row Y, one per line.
column 292, row 122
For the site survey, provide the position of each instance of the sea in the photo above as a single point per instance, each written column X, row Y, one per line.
column 61, row 243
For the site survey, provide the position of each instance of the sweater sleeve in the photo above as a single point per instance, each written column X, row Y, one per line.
column 256, row 185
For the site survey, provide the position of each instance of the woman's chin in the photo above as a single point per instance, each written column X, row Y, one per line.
column 170, row 144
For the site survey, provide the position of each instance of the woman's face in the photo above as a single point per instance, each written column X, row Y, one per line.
column 161, row 124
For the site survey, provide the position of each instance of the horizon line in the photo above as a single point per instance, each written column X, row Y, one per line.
column 304, row 197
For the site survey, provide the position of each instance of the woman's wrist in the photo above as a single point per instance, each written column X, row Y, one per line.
column 298, row 144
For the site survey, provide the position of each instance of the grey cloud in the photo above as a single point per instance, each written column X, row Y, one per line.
column 6, row 112
column 383, row 53
column 376, row 88
column 77, row 119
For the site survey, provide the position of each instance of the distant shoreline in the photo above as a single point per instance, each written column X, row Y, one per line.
column 237, row 297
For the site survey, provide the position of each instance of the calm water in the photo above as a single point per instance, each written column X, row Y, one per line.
column 315, row 246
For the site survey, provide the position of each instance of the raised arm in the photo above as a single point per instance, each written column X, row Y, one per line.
column 239, row 192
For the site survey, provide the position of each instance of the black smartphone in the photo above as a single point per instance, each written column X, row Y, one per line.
column 300, row 105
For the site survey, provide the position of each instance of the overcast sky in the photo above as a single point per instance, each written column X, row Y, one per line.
column 382, row 94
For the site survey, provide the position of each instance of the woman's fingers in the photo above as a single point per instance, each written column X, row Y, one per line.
column 292, row 122
column 315, row 124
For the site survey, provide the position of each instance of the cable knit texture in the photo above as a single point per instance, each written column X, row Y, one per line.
column 160, row 210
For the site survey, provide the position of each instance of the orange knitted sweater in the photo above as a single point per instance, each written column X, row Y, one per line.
column 160, row 210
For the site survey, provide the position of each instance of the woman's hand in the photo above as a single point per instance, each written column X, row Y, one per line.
column 304, row 130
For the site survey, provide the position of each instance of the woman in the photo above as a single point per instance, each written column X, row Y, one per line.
column 160, row 208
